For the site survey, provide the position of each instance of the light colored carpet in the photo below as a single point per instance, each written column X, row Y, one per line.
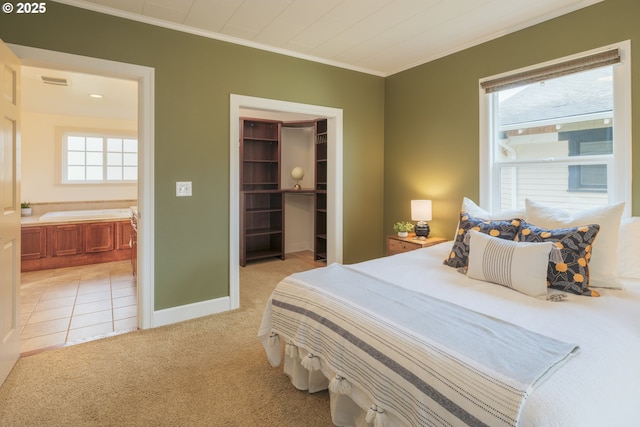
column 210, row 371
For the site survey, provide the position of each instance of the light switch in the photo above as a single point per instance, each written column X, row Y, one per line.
column 183, row 189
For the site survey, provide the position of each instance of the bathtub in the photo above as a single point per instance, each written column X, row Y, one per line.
column 85, row 215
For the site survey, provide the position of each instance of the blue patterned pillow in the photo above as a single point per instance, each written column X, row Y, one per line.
column 503, row 229
column 570, row 271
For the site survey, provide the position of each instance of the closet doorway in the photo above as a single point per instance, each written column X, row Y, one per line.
column 261, row 108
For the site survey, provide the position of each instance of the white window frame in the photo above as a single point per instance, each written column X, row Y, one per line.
column 619, row 170
column 104, row 135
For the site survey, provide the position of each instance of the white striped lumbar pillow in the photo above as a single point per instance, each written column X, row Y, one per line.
column 517, row 265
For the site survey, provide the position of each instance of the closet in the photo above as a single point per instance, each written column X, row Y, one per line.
column 269, row 200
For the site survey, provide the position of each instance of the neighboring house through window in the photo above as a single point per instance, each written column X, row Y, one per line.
column 589, row 142
column 558, row 133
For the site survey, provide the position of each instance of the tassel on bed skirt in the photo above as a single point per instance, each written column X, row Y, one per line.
column 340, row 385
column 311, row 362
column 377, row 416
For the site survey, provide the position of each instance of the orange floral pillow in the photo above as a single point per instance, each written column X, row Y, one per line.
column 568, row 269
column 503, row 229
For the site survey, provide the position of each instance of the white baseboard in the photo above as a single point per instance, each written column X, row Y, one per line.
column 190, row 311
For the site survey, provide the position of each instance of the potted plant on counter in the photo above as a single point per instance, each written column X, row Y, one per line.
column 403, row 228
column 25, row 209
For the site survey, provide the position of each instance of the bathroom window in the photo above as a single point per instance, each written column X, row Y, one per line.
column 99, row 158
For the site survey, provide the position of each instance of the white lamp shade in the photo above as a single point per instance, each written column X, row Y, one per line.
column 421, row 210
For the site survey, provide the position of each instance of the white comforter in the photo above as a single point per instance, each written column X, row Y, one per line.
column 599, row 386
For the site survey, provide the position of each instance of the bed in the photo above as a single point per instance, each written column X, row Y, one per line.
column 376, row 334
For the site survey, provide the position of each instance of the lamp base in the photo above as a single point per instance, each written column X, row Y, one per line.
column 422, row 230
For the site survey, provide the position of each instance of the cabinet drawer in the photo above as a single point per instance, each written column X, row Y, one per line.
column 398, row 246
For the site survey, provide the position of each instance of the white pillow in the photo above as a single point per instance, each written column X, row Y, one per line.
column 629, row 248
column 603, row 266
column 517, row 265
column 473, row 209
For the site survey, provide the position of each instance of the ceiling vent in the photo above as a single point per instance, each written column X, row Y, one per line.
column 56, row 81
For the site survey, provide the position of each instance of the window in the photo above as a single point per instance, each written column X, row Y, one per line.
column 558, row 133
column 586, row 142
column 95, row 158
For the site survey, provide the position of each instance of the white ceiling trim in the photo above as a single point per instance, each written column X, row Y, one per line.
column 214, row 35
column 248, row 43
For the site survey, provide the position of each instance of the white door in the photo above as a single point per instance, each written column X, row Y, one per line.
column 9, row 210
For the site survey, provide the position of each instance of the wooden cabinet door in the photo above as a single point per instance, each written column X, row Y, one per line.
column 34, row 242
column 99, row 237
column 123, row 235
column 66, row 240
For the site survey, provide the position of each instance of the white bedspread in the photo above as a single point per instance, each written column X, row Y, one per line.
column 598, row 386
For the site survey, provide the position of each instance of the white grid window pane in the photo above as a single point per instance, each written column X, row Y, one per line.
column 114, row 145
column 94, row 173
column 114, row 173
column 75, row 143
column 114, row 159
column 130, row 146
column 130, row 173
column 94, row 144
column 75, row 158
column 94, row 159
column 75, row 173
column 130, row 159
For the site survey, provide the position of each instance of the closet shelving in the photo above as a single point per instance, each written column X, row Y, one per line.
column 320, row 226
column 261, row 201
column 262, row 204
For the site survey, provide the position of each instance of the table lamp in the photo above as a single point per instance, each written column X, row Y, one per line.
column 421, row 212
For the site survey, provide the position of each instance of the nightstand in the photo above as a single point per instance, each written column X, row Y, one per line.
column 397, row 245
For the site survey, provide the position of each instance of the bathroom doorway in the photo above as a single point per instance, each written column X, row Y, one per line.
column 129, row 300
column 79, row 154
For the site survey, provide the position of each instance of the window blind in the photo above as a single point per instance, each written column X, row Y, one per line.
column 577, row 65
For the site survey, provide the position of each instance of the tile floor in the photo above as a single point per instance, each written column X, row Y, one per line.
column 66, row 306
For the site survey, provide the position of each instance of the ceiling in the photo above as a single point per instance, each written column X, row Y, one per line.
column 119, row 98
column 380, row 37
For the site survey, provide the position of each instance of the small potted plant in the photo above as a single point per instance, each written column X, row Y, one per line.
column 403, row 228
column 25, row 209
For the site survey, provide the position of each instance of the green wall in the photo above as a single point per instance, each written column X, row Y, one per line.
column 431, row 111
column 194, row 77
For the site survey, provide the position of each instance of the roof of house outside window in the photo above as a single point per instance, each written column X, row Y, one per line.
column 579, row 94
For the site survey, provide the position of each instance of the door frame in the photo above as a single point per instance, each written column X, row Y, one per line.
column 334, row 177
column 145, row 76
